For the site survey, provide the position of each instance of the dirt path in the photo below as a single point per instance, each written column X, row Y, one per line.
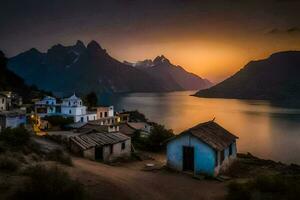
column 107, row 182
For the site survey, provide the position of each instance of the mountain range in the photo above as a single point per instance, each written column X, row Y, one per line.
column 171, row 75
column 275, row 78
column 80, row 68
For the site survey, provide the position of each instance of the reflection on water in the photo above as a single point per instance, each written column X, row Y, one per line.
column 265, row 130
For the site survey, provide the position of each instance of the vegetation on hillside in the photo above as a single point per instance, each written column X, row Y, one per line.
column 49, row 183
column 275, row 187
column 18, row 151
column 9, row 81
column 59, row 121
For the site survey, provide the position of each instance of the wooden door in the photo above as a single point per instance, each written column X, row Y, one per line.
column 188, row 158
column 98, row 153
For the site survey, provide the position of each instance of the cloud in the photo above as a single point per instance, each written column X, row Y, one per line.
column 291, row 30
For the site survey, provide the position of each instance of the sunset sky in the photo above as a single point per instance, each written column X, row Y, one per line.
column 212, row 38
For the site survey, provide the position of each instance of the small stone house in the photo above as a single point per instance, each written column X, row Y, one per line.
column 12, row 119
column 144, row 128
column 206, row 148
column 101, row 146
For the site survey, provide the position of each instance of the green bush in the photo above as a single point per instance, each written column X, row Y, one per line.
column 91, row 100
column 8, row 164
column 48, row 184
column 156, row 140
column 56, row 120
column 15, row 137
column 60, row 156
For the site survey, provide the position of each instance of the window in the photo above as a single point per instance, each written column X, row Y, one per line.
column 100, row 114
column 69, row 103
column 105, row 114
column 70, row 111
column 230, row 149
column 123, row 145
column 222, row 156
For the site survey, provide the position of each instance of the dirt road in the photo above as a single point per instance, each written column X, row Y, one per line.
column 121, row 182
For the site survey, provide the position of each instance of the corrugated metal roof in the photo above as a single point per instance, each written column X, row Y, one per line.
column 89, row 140
column 212, row 134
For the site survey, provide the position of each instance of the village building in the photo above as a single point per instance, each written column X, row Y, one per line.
column 12, row 119
column 124, row 117
column 13, row 100
column 143, row 127
column 47, row 106
column 105, row 112
column 101, row 146
column 3, row 102
column 127, row 130
column 204, row 149
column 73, row 107
column 93, row 125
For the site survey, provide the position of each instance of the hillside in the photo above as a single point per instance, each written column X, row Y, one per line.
column 274, row 78
column 9, row 81
column 83, row 69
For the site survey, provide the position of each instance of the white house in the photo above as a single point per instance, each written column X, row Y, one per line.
column 73, row 107
column 46, row 106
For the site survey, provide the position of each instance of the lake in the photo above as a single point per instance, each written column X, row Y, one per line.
column 266, row 130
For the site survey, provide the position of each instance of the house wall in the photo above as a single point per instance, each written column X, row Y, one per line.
column 117, row 151
column 228, row 159
column 102, row 110
column 89, row 153
column 3, row 103
column 81, row 110
column 204, row 155
column 12, row 122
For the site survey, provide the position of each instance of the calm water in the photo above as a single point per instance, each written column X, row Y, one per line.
column 263, row 129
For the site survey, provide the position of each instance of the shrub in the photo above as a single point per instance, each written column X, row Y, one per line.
column 159, row 134
column 60, row 121
column 60, row 156
column 155, row 142
column 8, row 164
column 91, row 100
column 15, row 137
column 52, row 183
column 266, row 187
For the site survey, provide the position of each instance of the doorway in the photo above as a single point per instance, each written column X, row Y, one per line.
column 188, row 158
column 98, row 153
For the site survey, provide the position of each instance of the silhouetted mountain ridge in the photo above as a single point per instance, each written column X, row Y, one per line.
column 171, row 75
column 88, row 68
column 274, row 78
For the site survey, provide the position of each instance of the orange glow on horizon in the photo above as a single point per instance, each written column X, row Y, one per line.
column 212, row 59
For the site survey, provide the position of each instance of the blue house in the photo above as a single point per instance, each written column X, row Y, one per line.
column 204, row 149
